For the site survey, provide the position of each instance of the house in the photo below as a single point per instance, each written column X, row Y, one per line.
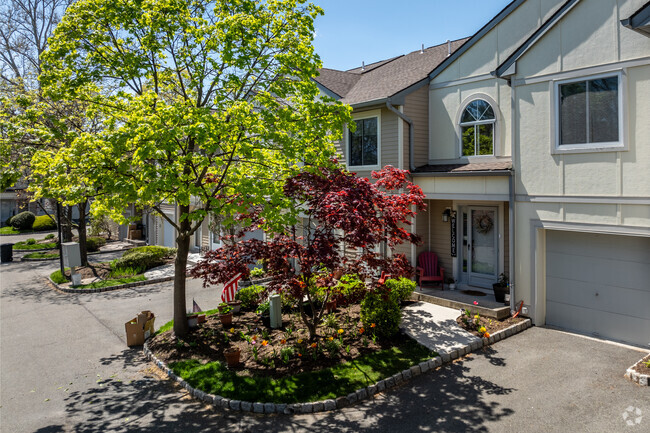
column 531, row 143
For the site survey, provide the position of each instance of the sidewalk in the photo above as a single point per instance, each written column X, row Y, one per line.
column 435, row 327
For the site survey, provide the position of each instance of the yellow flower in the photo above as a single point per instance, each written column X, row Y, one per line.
column 341, row 331
column 232, row 330
column 481, row 330
column 476, row 317
column 331, row 338
column 264, row 342
column 299, row 341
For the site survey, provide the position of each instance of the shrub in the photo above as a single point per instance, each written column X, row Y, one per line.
column 93, row 243
column 31, row 241
column 8, row 221
column 50, row 236
column 350, row 289
column 43, row 223
column 257, row 272
column 144, row 257
column 401, row 289
column 250, row 297
column 23, row 221
column 383, row 311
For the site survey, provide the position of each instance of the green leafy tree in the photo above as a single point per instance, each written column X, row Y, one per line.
column 208, row 105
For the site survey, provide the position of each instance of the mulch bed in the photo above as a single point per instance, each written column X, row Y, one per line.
column 491, row 325
column 207, row 342
column 98, row 270
column 640, row 367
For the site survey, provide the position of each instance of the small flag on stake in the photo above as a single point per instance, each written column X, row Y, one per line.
column 195, row 307
column 230, row 289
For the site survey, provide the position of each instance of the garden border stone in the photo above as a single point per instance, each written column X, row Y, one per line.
column 362, row 394
column 634, row 376
column 111, row 288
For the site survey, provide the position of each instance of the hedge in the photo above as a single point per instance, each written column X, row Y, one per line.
column 144, row 257
column 43, row 223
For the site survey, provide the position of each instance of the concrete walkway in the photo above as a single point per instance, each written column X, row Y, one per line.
column 435, row 327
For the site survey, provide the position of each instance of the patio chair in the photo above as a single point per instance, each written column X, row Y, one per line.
column 428, row 270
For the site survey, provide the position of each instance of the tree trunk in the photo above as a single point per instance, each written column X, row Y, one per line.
column 181, row 327
column 66, row 225
column 82, row 233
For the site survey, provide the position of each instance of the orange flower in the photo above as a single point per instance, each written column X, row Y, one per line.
column 331, row 338
column 299, row 355
column 264, row 342
column 313, row 345
column 361, row 330
column 372, row 325
column 486, row 335
column 283, row 341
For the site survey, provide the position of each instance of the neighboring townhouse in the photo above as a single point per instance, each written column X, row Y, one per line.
column 581, row 94
column 390, row 104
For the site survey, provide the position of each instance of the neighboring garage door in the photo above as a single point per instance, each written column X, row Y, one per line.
column 599, row 285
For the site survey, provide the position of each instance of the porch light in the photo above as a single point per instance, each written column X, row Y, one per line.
column 445, row 215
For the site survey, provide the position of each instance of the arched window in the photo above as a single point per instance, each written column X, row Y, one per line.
column 477, row 129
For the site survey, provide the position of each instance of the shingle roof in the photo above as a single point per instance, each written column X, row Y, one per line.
column 386, row 78
column 495, row 166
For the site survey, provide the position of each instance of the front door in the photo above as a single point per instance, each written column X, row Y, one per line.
column 482, row 246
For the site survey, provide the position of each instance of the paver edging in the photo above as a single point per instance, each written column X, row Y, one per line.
column 24, row 259
column 634, row 376
column 362, row 394
column 111, row 288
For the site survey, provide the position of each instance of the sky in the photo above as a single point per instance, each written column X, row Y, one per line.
column 352, row 31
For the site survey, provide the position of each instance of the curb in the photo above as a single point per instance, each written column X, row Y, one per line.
column 110, row 288
column 641, row 379
column 344, row 401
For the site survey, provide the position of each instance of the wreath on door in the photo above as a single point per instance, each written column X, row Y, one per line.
column 483, row 222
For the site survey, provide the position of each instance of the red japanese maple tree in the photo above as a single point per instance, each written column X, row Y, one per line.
column 346, row 219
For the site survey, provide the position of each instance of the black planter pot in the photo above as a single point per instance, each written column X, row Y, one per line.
column 500, row 292
column 266, row 320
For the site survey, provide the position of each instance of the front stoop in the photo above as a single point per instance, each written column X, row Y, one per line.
column 494, row 313
column 362, row 394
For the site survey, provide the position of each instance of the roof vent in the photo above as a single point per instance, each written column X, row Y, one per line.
column 448, row 48
column 422, row 49
column 363, row 65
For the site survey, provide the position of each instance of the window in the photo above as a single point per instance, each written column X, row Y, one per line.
column 588, row 113
column 477, row 129
column 364, row 143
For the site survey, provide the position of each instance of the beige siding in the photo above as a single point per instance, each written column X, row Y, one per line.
column 436, row 234
column 416, row 107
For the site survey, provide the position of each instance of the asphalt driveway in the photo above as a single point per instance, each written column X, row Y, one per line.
column 64, row 367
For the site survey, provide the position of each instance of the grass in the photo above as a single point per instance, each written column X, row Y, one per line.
column 8, row 230
column 169, row 325
column 26, row 246
column 59, row 278
column 42, row 255
column 113, row 282
column 328, row 383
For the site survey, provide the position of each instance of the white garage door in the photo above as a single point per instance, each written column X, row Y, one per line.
column 599, row 285
column 168, row 233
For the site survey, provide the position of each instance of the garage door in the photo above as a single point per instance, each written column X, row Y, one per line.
column 599, row 285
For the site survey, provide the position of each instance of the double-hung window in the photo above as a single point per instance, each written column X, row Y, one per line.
column 364, row 143
column 589, row 114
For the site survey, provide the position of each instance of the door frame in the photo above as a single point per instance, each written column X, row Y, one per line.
column 480, row 279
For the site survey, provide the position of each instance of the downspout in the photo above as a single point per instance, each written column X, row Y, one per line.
column 511, row 198
column 410, row 123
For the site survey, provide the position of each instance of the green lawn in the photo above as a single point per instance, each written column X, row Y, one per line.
column 42, row 255
column 114, row 282
column 37, row 246
column 328, row 383
column 169, row 325
column 8, row 230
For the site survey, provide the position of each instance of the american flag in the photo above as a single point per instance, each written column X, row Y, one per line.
column 195, row 307
column 230, row 288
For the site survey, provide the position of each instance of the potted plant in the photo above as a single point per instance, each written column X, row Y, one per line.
column 264, row 310
column 236, row 306
column 451, row 282
column 501, row 288
column 192, row 321
column 232, row 355
column 225, row 314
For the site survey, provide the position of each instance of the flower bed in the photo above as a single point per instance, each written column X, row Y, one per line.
column 475, row 324
column 275, row 363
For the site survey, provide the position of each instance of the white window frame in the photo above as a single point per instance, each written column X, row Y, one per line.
column 496, row 137
column 614, row 146
column 360, row 116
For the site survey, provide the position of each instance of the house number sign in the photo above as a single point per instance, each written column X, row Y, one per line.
column 453, row 235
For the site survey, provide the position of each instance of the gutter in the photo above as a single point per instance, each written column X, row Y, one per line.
column 411, row 134
column 461, row 173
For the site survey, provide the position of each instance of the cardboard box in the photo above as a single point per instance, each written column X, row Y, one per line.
column 134, row 333
column 135, row 234
column 139, row 328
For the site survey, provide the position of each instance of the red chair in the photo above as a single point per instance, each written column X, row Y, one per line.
column 428, row 270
